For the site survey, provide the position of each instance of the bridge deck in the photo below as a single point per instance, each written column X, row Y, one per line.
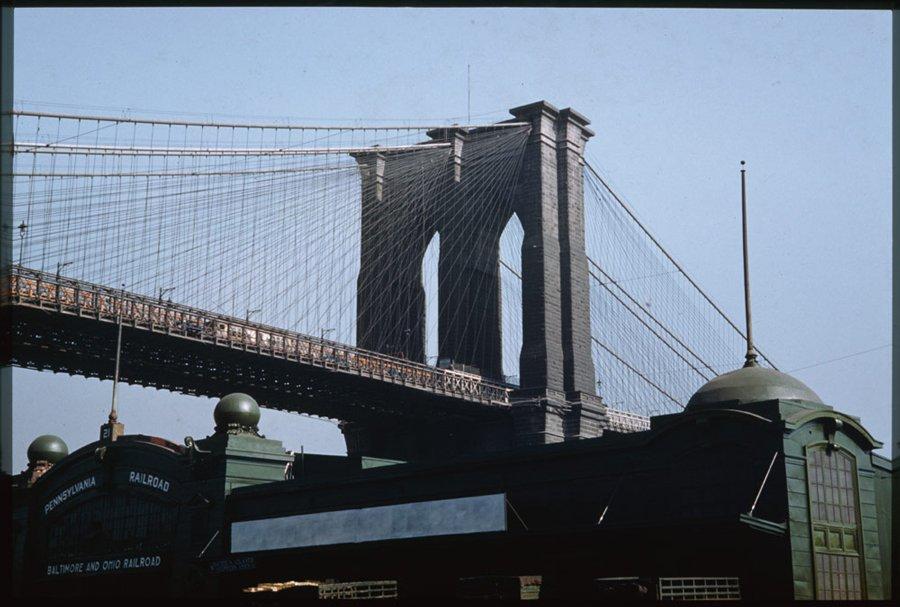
column 69, row 326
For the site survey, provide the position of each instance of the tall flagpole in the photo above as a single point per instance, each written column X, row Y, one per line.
column 750, row 358
column 113, row 429
column 113, row 411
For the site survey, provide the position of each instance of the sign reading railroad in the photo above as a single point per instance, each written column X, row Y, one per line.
column 70, row 491
column 148, row 480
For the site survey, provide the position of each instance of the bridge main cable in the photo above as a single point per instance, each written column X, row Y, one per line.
column 237, row 125
column 637, row 372
column 678, row 267
column 649, row 314
column 29, row 147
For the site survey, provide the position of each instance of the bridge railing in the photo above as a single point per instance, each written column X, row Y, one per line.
column 80, row 298
column 70, row 296
column 625, row 421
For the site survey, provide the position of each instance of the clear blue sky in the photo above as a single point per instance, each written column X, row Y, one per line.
column 677, row 98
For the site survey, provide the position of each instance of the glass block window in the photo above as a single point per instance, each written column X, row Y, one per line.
column 111, row 524
column 834, row 524
column 700, row 588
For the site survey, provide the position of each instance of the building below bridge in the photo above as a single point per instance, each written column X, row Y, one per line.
column 756, row 491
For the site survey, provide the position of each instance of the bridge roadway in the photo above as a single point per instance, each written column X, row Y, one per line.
column 69, row 326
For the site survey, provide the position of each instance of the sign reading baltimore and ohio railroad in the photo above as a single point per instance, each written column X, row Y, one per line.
column 104, row 566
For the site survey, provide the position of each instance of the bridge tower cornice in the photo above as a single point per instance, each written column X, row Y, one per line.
column 456, row 136
column 543, row 117
column 573, row 132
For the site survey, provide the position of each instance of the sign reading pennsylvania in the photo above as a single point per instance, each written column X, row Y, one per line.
column 70, row 491
column 148, row 480
column 104, row 566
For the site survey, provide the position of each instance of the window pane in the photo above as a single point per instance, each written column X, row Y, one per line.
column 833, row 498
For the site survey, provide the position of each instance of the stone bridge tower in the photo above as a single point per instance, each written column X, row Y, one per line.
column 556, row 399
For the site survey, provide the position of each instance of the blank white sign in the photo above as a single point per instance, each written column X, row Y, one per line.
column 477, row 514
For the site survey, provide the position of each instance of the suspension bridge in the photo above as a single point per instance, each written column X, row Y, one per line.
column 433, row 288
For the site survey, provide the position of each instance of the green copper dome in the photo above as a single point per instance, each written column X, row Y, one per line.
column 752, row 384
column 236, row 410
column 47, row 448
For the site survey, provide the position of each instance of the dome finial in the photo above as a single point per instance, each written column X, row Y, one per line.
column 237, row 413
column 47, row 448
column 43, row 453
column 750, row 358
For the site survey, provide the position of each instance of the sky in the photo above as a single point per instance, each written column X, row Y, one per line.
column 677, row 98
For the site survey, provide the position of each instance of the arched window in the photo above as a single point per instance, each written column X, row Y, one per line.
column 510, row 271
column 834, row 522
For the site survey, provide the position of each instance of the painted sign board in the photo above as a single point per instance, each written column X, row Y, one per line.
column 476, row 514
column 109, row 565
column 70, row 491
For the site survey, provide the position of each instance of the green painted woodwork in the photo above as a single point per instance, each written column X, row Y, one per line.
column 883, row 507
column 806, row 427
column 244, row 459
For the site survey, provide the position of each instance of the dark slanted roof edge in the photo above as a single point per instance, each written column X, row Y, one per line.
column 850, row 423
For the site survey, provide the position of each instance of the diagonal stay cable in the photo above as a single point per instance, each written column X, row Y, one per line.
column 636, row 371
column 605, row 285
column 631, row 214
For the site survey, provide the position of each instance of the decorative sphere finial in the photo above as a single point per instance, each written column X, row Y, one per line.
column 237, row 412
column 47, row 448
